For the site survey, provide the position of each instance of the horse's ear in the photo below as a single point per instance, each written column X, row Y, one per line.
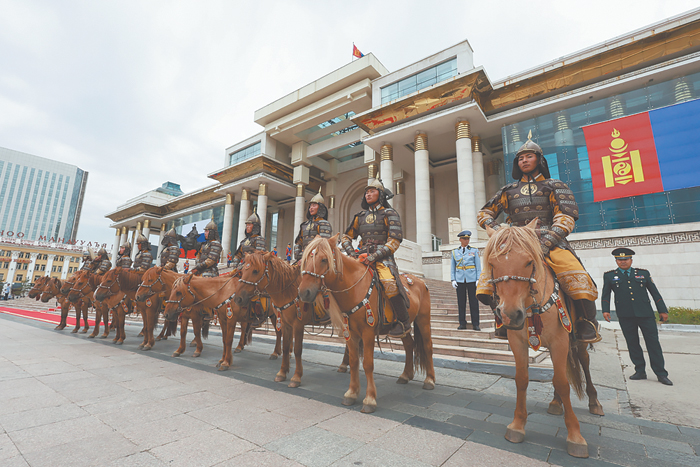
column 266, row 256
column 532, row 225
column 334, row 239
column 490, row 231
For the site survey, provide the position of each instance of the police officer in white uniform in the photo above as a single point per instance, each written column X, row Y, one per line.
column 464, row 272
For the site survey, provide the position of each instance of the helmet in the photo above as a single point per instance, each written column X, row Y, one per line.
column 102, row 252
column 86, row 255
column 384, row 193
column 530, row 147
column 141, row 239
column 170, row 238
column 322, row 210
column 255, row 220
column 92, row 254
column 213, row 231
column 127, row 248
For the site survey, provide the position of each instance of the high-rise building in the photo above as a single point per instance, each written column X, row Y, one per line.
column 40, row 199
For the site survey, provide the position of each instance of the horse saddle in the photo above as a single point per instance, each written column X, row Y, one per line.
column 259, row 310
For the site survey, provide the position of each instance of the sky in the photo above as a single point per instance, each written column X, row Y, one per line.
column 138, row 92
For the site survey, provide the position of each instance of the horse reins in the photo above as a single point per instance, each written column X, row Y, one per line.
column 149, row 286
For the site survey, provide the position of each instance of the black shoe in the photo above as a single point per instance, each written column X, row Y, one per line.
column 461, row 327
column 399, row 330
column 476, row 327
column 665, row 380
column 640, row 375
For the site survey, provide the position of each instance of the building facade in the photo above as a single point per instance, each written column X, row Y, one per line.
column 443, row 136
column 23, row 260
column 39, row 198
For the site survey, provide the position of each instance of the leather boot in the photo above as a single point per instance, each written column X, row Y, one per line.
column 403, row 325
column 586, row 326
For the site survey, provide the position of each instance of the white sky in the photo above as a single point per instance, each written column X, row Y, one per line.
column 131, row 90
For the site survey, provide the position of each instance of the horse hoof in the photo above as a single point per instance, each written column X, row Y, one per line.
column 237, row 350
column 402, row 380
column 348, row 401
column 147, row 347
column 165, row 338
column 368, row 408
column 515, row 436
column 120, row 342
column 280, row 378
column 429, row 385
column 84, row 331
column 105, row 336
column 193, row 344
column 196, row 354
column 74, row 331
column 273, row 356
column 596, row 409
column 92, row 336
column 140, row 347
column 342, row 369
column 140, row 334
column 223, row 367
column 176, row 354
column 158, row 338
column 294, row 384
column 577, row 449
column 555, row 409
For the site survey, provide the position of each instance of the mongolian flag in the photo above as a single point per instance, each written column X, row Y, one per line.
column 356, row 52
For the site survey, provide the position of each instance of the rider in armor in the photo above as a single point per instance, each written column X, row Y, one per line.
column 101, row 264
column 87, row 260
column 380, row 228
column 253, row 241
column 317, row 224
column 124, row 256
column 209, row 253
column 144, row 258
column 170, row 255
column 535, row 195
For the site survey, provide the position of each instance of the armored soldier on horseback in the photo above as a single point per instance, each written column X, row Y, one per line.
column 87, row 260
column 317, row 224
column 124, row 256
column 101, row 264
column 209, row 253
column 535, row 195
column 379, row 226
column 144, row 258
column 253, row 240
column 170, row 255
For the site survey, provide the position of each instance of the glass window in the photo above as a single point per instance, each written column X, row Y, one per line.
column 419, row 81
column 245, row 153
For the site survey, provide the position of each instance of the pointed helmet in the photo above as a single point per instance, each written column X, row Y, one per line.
column 322, row 209
column 530, row 147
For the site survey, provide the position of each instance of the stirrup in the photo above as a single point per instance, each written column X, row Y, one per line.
column 597, row 337
column 405, row 330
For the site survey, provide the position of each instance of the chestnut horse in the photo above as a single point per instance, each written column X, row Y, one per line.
column 523, row 282
column 156, row 285
column 352, row 287
column 82, row 292
column 216, row 293
column 81, row 306
column 37, row 288
column 52, row 289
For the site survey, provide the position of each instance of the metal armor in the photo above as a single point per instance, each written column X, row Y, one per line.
column 143, row 261
column 208, row 258
column 104, row 266
column 308, row 231
column 169, row 258
column 248, row 245
column 124, row 261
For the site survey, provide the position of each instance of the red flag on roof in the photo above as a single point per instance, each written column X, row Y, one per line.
column 356, row 52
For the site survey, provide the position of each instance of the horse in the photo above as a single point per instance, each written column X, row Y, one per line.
column 353, row 287
column 527, row 290
column 52, row 289
column 156, row 285
column 37, row 288
column 82, row 293
column 216, row 293
column 81, row 306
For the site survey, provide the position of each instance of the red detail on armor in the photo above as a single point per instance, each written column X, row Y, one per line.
column 346, row 329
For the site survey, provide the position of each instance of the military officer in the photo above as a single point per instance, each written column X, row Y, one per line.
column 316, row 224
column 124, row 256
column 170, row 255
column 209, row 253
column 465, row 269
column 534, row 195
column 144, row 258
column 379, row 225
column 253, row 240
column 634, row 311
column 101, row 264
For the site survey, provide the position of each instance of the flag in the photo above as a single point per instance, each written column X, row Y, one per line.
column 356, row 52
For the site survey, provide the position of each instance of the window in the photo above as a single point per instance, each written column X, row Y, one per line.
column 245, row 153
column 2, row 276
column 6, row 265
column 19, row 278
column 420, row 80
column 43, row 267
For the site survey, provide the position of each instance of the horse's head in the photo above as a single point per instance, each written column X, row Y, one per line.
column 80, row 285
column 181, row 296
column 35, row 291
column 51, row 289
column 254, row 277
column 151, row 284
column 514, row 257
column 67, row 284
column 109, row 285
column 321, row 266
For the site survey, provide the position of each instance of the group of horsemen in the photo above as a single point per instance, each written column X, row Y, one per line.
column 532, row 195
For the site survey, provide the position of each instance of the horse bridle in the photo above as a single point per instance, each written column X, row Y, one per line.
column 255, row 284
column 150, row 286
column 179, row 302
column 322, row 277
column 109, row 287
column 535, row 306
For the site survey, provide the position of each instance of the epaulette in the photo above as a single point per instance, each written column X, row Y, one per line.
column 641, row 269
column 612, row 270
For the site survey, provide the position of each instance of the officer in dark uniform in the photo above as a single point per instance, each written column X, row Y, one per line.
column 465, row 268
column 634, row 311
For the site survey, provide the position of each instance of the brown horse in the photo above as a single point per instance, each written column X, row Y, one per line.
column 52, row 289
column 82, row 293
column 81, row 306
column 37, row 288
column 352, row 287
column 156, row 285
column 527, row 291
column 216, row 293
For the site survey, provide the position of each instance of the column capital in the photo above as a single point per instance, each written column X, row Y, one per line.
column 229, row 198
column 476, row 144
column 164, row 227
column 463, row 129
column 300, row 190
column 125, row 230
column 331, row 202
column 421, row 142
column 399, row 188
column 119, row 231
column 387, row 152
column 147, row 224
column 245, row 194
column 372, row 170
column 138, row 226
column 262, row 189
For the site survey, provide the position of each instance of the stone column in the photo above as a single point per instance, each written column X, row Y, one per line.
column 299, row 209
column 163, row 229
column 64, row 269
column 400, row 201
column 387, row 167
column 243, row 214
column 147, row 229
column 32, row 266
column 465, row 176
column 124, row 236
column 262, row 207
column 13, row 267
column 134, row 248
column 115, row 247
column 331, row 214
column 424, row 226
column 228, row 226
column 281, row 244
column 372, row 171
column 479, row 180
column 49, row 264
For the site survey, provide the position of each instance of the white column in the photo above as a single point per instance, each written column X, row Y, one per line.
column 262, row 208
column 299, row 214
column 147, row 229
column 479, row 180
column 32, row 266
column 387, row 168
column 243, row 214
column 400, row 201
column 124, row 236
column 49, row 264
column 281, row 244
column 134, row 247
column 64, row 269
column 163, row 229
column 228, row 226
column 465, row 176
column 424, row 226
column 115, row 247
column 12, row 268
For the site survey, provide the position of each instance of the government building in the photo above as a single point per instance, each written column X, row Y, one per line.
column 617, row 122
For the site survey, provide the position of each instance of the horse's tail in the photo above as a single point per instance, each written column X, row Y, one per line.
column 172, row 327
column 573, row 367
column 248, row 333
column 205, row 329
column 420, row 356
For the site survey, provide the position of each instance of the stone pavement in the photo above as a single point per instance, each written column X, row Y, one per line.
column 69, row 400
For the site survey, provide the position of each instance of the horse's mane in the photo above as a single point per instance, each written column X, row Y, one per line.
column 284, row 274
column 130, row 279
column 519, row 239
column 323, row 247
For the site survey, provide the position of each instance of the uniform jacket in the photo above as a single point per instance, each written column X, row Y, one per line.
column 465, row 266
column 631, row 298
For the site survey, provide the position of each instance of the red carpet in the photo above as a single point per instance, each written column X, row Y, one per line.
column 43, row 316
